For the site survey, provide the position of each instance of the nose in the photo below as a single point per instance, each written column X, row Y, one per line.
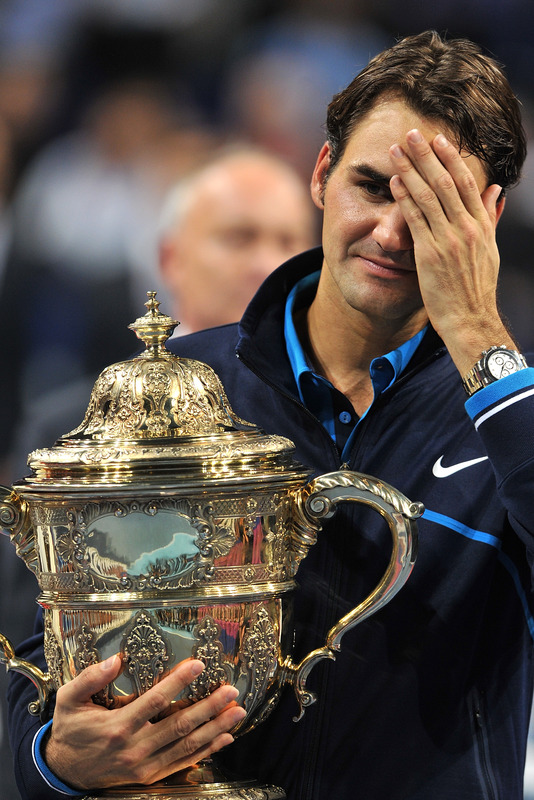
column 391, row 231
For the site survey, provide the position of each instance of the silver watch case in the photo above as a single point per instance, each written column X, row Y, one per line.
column 495, row 363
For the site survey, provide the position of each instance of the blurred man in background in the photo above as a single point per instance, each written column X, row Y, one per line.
column 225, row 228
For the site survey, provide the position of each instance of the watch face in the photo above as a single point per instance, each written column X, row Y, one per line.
column 501, row 363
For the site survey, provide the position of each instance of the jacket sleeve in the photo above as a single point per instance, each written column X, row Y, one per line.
column 23, row 726
column 503, row 414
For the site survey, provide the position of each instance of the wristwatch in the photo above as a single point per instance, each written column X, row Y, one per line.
column 495, row 363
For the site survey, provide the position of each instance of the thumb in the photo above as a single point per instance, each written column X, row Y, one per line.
column 90, row 681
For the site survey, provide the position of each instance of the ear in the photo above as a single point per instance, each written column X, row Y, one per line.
column 494, row 201
column 163, row 258
column 318, row 181
column 168, row 259
column 499, row 208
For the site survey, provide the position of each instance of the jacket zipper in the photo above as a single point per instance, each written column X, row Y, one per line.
column 482, row 746
column 384, row 396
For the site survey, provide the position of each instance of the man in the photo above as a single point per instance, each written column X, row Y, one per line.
column 367, row 353
column 225, row 228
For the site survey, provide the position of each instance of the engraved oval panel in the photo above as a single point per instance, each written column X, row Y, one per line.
column 138, row 544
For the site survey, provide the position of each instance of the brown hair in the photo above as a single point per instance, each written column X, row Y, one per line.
column 452, row 81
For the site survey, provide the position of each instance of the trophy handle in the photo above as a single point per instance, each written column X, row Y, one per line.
column 15, row 522
column 317, row 501
column 14, row 519
column 41, row 680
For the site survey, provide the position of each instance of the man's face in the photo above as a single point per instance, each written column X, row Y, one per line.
column 369, row 261
column 247, row 218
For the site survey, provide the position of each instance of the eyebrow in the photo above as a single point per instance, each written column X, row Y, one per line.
column 370, row 172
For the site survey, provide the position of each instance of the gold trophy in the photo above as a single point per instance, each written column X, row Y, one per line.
column 166, row 527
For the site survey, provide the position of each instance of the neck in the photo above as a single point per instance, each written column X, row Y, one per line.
column 341, row 343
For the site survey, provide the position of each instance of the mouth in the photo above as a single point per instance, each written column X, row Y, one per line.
column 387, row 268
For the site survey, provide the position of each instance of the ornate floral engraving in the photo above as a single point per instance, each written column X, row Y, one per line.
column 87, row 654
column 215, row 538
column 210, row 651
column 280, row 557
column 99, row 572
column 53, row 652
column 70, row 544
column 157, row 395
column 145, row 652
column 259, row 656
column 156, row 385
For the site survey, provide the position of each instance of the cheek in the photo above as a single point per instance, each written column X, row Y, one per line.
column 211, row 256
column 346, row 218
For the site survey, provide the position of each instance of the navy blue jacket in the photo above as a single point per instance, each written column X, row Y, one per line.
column 430, row 698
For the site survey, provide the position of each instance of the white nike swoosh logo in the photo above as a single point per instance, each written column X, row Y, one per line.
column 444, row 472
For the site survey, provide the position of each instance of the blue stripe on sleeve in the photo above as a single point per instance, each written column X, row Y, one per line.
column 459, row 527
column 493, row 541
column 511, row 568
column 499, row 390
column 42, row 766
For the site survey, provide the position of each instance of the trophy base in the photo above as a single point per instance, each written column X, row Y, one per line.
column 201, row 782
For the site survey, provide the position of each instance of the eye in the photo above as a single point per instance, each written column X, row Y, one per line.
column 377, row 190
column 237, row 237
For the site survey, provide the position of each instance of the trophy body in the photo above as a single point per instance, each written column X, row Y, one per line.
column 160, row 578
column 164, row 528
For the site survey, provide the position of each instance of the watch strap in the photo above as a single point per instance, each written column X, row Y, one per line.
column 479, row 376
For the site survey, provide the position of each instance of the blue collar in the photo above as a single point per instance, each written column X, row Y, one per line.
column 316, row 392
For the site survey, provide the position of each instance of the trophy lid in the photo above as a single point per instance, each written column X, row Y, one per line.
column 158, row 416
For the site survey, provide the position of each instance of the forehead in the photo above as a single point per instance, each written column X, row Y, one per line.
column 387, row 123
column 248, row 183
column 253, row 193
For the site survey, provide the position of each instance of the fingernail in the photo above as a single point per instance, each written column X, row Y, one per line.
column 230, row 693
column 397, row 151
column 414, row 136
column 196, row 667
column 441, row 140
column 109, row 664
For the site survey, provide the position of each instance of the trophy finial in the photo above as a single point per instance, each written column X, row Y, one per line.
column 154, row 328
column 152, row 304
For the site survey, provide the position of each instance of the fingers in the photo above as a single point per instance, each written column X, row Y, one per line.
column 201, row 740
column 91, row 746
column 415, row 193
column 415, row 217
column 158, row 699
column 201, row 721
column 439, row 181
column 90, row 681
column 455, row 183
column 179, row 739
column 451, row 213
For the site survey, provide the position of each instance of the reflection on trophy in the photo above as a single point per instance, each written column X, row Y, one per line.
column 166, row 527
